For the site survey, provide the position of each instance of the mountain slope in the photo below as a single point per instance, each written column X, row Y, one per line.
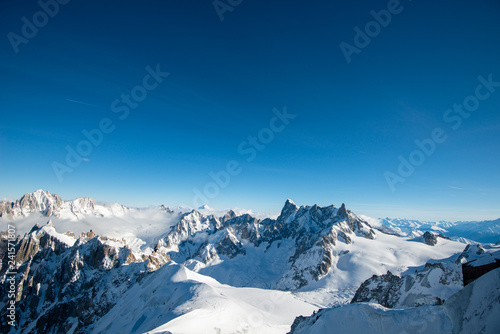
column 474, row 309
column 175, row 299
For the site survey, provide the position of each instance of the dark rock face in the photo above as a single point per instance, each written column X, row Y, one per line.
column 230, row 246
column 288, row 210
column 228, row 216
column 382, row 289
column 430, row 239
column 476, row 262
column 343, row 211
column 61, row 287
column 301, row 323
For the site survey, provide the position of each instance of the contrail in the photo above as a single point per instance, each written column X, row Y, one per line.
column 87, row 104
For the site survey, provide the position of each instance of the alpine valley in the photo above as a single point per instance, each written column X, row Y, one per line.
column 84, row 267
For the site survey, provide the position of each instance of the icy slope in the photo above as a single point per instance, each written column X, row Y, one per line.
column 474, row 309
column 374, row 319
column 178, row 300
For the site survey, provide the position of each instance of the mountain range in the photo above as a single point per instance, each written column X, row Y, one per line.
column 100, row 268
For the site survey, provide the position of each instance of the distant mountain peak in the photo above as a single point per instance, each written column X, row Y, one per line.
column 342, row 211
column 290, row 205
column 288, row 210
column 228, row 216
column 47, row 204
column 40, row 191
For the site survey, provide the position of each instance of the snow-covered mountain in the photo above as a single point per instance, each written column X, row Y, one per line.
column 430, row 300
column 47, row 204
column 474, row 309
column 472, row 231
column 164, row 267
column 39, row 201
column 303, row 237
column 428, row 285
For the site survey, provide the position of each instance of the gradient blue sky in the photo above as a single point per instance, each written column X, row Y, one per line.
column 353, row 120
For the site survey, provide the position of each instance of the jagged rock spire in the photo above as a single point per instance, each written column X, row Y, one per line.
column 289, row 208
column 342, row 211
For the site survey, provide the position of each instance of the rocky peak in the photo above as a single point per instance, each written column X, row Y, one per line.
column 228, row 216
column 290, row 203
column 229, row 245
column 189, row 224
column 83, row 205
column 471, row 253
column 342, row 211
column 288, row 210
column 165, row 209
column 38, row 201
column 381, row 289
column 431, row 238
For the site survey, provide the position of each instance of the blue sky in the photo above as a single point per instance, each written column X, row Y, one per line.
column 352, row 120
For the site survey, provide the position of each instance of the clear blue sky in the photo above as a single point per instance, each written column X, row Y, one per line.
column 353, row 120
